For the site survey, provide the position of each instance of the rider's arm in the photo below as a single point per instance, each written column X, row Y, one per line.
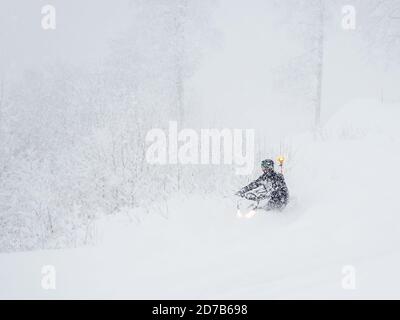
column 251, row 186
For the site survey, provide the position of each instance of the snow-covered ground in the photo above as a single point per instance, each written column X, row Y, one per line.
column 344, row 212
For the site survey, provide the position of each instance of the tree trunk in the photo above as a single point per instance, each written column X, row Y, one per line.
column 179, row 65
column 320, row 62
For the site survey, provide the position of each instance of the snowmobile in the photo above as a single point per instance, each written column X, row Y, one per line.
column 268, row 192
column 250, row 203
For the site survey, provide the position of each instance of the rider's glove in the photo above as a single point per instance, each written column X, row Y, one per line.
column 250, row 196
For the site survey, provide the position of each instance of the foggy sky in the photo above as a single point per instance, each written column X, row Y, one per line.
column 236, row 73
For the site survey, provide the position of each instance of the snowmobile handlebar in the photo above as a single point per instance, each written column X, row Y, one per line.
column 250, row 196
column 247, row 195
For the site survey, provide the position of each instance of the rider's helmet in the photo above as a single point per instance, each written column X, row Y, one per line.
column 267, row 165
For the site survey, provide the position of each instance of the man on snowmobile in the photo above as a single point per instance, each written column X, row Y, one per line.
column 270, row 190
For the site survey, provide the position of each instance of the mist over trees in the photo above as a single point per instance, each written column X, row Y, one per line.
column 73, row 139
column 382, row 28
column 376, row 32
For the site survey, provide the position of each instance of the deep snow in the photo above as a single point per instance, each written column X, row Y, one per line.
column 344, row 211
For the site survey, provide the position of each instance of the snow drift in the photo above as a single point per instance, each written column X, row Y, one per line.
column 343, row 213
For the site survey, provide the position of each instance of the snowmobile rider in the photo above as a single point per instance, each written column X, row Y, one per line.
column 272, row 191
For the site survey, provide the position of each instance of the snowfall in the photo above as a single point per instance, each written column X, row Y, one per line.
column 343, row 216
